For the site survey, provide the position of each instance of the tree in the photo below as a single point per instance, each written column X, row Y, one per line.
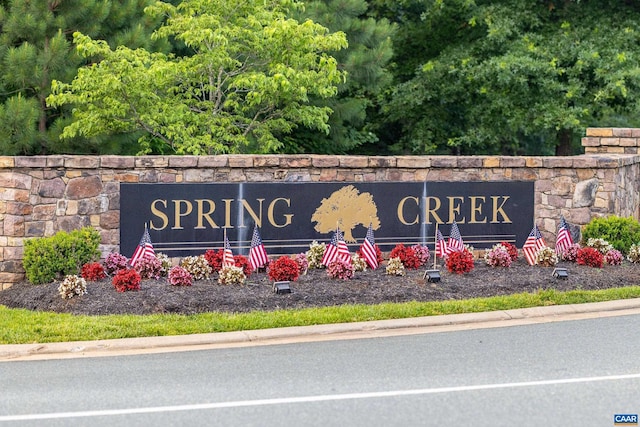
column 36, row 47
column 345, row 209
column 516, row 77
column 249, row 78
column 366, row 62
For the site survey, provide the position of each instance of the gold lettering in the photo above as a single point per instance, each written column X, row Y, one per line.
column 163, row 216
column 401, row 209
column 477, row 209
column 428, row 211
column 227, row 213
column 454, row 208
column 179, row 213
column 257, row 219
column 205, row 215
column 498, row 209
column 287, row 217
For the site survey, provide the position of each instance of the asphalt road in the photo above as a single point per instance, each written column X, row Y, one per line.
column 573, row 373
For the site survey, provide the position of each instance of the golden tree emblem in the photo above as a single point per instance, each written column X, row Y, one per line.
column 346, row 208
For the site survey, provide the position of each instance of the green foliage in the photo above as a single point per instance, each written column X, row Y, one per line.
column 26, row 326
column 18, row 119
column 511, row 77
column 36, row 48
column 620, row 232
column 49, row 258
column 368, row 67
column 249, row 78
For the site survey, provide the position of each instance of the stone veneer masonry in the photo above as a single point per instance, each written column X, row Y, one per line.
column 41, row 195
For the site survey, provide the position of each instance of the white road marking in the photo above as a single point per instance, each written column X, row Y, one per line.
column 308, row 399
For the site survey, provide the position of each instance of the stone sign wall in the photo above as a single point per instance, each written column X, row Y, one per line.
column 41, row 195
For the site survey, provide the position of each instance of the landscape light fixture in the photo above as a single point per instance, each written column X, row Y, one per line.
column 560, row 273
column 281, row 287
column 432, row 276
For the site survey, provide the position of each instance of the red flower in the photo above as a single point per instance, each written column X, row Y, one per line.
column 590, row 257
column 93, row 271
column 283, row 269
column 126, row 280
column 407, row 256
column 460, row 262
column 214, row 258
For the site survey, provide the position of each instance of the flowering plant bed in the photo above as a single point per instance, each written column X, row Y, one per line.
column 317, row 289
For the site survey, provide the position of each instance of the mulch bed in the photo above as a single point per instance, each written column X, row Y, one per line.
column 316, row 289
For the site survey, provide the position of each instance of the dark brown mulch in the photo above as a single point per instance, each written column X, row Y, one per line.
column 316, row 289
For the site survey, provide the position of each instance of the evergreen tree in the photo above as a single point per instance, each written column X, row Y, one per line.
column 366, row 62
column 36, row 48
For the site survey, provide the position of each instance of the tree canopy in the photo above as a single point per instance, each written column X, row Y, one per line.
column 515, row 76
column 248, row 77
column 330, row 76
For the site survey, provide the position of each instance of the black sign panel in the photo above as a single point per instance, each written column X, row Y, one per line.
column 187, row 219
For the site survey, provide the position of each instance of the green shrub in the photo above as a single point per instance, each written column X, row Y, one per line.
column 621, row 233
column 49, row 258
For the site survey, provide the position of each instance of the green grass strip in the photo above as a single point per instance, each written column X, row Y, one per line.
column 23, row 326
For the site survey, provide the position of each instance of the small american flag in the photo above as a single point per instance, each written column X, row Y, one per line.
column 455, row 243
column 336, row 249
column 368, row 249
column 144, row 248
column 331, row 251
column 227, row 258
column 563, row 239
column 343, row 249
column 257, row 253
column 441, row 245
column 532, row 245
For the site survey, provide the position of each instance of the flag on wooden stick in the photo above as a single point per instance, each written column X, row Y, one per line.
column 532, row 245
column 368, row 249
column 336, row 249
column 343, row 249
column 227, row 258
column 144, row 248
column 441, row 244
column 563, row 238
column 455, row 243
column 331, row 250
column 257, row 253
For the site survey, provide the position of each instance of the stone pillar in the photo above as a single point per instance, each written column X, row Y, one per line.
column 611, row 141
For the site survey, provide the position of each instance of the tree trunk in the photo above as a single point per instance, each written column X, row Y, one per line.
column 564, row 143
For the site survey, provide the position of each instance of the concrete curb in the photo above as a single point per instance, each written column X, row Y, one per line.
column 290, row 334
